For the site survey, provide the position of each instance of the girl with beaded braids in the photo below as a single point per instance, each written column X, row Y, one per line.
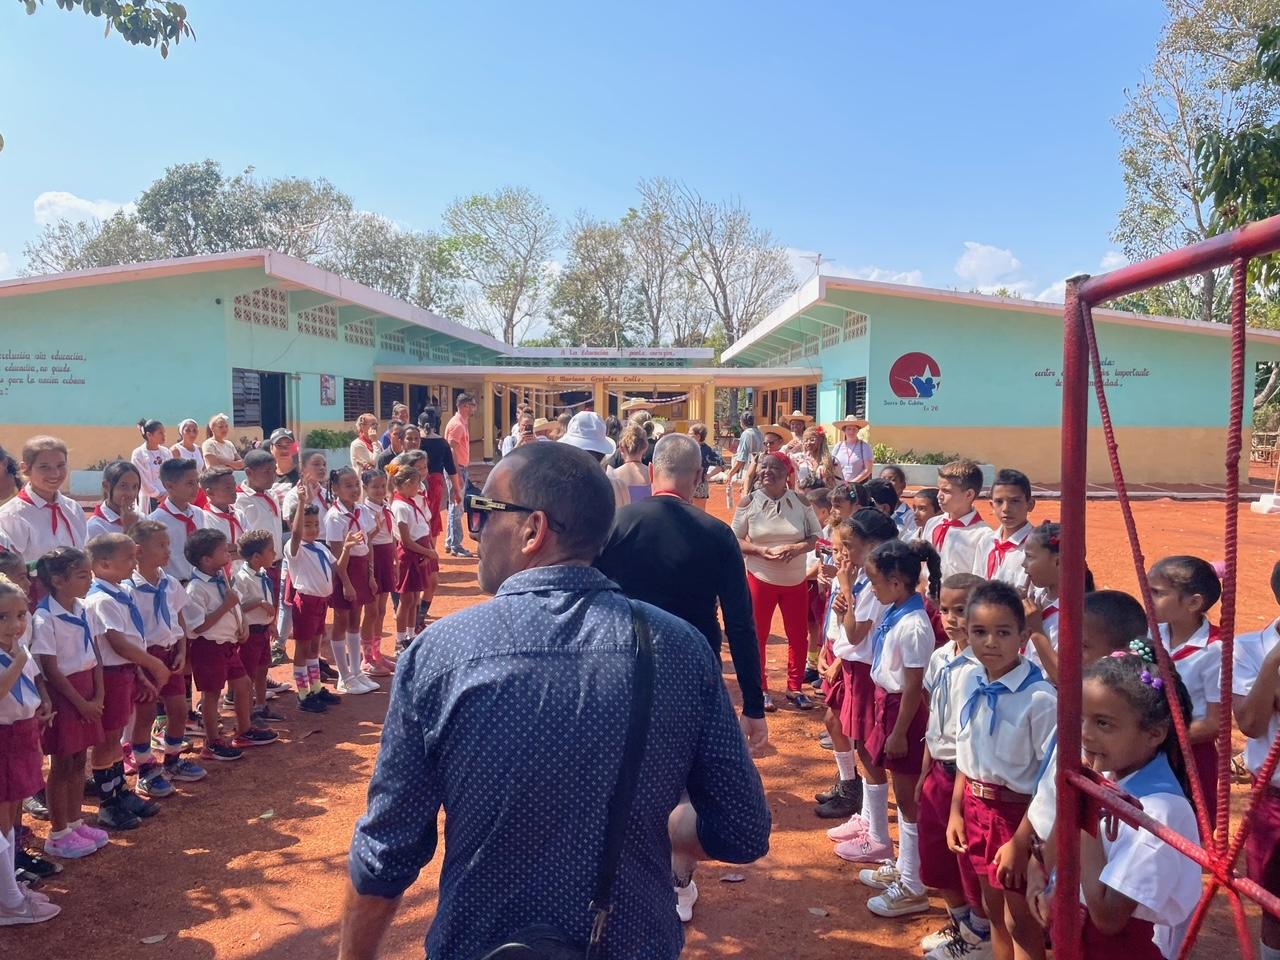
column 1041, row 564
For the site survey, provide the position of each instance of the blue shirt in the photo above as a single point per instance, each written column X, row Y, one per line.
column 512, row 715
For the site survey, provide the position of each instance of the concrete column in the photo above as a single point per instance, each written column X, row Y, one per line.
column 486, row 416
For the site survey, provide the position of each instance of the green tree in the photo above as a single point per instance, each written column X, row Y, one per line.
column 152, row 23
column 412, row 266
column 593, row 301
column 65, row 246
column 195, row 210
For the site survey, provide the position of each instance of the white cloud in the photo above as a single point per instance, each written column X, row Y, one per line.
column 6, row 266
column 987, row 267
column 1054, row 293
column 802, row 265
column 1113, row 260
column 53, row 205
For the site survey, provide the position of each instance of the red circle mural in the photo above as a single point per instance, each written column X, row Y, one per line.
column 915, row 376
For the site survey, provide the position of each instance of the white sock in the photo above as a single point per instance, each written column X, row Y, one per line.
column 875, row 808
column 909, row 857
column 339, row 645
column 353, row 653
column 11, row 895
column 847, row 765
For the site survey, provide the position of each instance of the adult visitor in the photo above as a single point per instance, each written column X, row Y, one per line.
column 797, row 422
column 546, row 719
column 218, row 450
column 588, row 432
column 512, row 440
column 633, row 474
column 411, row 438
column 776, row 529
column 188, row 445
column 750, row 443
column 775, row 438
column 814, row 464
column 853, row 456
column 439, row 465
column 712, row 464
column 285, row 449
column 365, row 447
column 644, row 420
column 458, row 435
column 399, row 414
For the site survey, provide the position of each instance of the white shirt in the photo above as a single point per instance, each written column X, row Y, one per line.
column 944, row 713
column 195, row 454
column 228, row 524
column 1043, row 812
column 866, row 609
column 260, row 511
column 905, row 518
column 362, row 458
column 1250, row 650
column 1009, row 569
column 338, row 523
column 11, row 711
column 1049, row 616
column 148, row 463
column 908, row 644
column 1011, row 755
column 225, row 449
column 853, row 459
column 205, row 598
column 1163, row 883
column 308, row 572
column 104, row 519
column 52, row 637
column 171, row 517
column 385, row 531
column 107, row 613
column 958, row 546
column 413, row 516
column 1199, row 663
column 320, row 497
column 253, row 586
column 29, row 526
column 159, row 632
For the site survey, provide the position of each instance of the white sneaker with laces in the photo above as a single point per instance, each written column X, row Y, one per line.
column 352, row 687
column 940, row 937
column 964, row 945
column 881, row 878
column 686, row 897
column 898, row 901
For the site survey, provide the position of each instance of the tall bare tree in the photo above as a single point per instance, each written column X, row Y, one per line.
column 594, row 295
column 657, row 264
column 504, row 241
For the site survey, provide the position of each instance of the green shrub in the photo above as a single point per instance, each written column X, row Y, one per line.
column 329, row 439
column 887, row 454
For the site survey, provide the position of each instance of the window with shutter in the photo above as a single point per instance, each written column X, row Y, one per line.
column 357, row 398
column 855, row 398
column 389, row 394
column 246, row 397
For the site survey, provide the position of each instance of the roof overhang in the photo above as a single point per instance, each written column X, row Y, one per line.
column 565, row 376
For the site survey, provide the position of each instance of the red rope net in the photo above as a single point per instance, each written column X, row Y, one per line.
column 1081, row 358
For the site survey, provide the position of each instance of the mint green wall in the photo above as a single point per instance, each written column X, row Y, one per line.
column 1000, row 368
column 156, row 350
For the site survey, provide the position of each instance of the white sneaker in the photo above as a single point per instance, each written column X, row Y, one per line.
column 881, row 878
column 964, row 945
column 686, row 897
column 370, row 685
column 898, row 901
column 940, row 937
column 352, row 687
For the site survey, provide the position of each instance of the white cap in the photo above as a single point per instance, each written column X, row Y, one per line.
column 587, row 432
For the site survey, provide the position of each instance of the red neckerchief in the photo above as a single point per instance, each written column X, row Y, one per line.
column 411, row 502
column 1187, row 650
column 98, row 512
column 368, row 443
column 1049, row 611
column 353, row 518
column 387, row 518
column 999, row 550
column 55, row 511
column 187, row 521
column 232, row 523
column 946, row 526
column 271, row 501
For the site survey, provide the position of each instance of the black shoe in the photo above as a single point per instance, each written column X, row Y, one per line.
column 846, row 802
column 279, row 656
column 112, row 815
column 802, row 701
column 812, row 677
column 34, row 864
column 312, row 704
column 327, row 697
column 327, row 673
column 136, row 805
column 35, row 807
column 826, row 795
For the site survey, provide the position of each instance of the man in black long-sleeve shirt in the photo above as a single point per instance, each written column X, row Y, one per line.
column 667, row 552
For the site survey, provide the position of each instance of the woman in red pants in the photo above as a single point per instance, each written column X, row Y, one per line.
column 777, row 528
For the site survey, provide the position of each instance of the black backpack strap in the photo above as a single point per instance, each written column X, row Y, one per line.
column 624, row 790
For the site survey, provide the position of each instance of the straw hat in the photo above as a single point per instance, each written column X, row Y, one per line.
column 797, row 415
column 848, row 422
column 543, row 425
column 777, row 428
column 637, row 403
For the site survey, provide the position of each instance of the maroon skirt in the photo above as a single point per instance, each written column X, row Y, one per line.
column 939, row 864
column 817, row 602
column 1132, row 943
column 988, row 826
column 70, row 733
column 117, row 703
column 415, row 569
column 20, row 760
column 1206, row 759
column 912, row 762
column 435, row 500
column 384, row 567
column 358, row 573
column 858, row 703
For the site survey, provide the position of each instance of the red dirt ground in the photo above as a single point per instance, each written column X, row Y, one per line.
column 251, row 862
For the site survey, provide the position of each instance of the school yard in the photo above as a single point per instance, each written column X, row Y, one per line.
column 251, row 863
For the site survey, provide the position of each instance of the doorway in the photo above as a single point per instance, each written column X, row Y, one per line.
column 274, row 414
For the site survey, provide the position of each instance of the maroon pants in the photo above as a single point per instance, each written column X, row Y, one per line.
column 793, row 601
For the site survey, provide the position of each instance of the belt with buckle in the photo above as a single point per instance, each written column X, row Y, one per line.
column 947, row 765
column 991, row 791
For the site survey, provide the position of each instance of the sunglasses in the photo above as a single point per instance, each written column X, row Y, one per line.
column 478, row 509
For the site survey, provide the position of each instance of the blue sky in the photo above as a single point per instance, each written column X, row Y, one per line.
column 948, row 144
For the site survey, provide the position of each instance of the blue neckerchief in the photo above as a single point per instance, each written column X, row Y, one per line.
column 23, row 679
column 992, row 692
column 831, row 602
column 940, row 693
column 889, row 621
column 81, row 622
column 160, row 599
column 900, row 514
column 860, row 583
column 325, row 563
column 217, row 579
column 120, row 596
column 267, row 593
column 1156, row 777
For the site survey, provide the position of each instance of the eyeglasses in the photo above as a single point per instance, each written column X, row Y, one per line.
column 478, row 509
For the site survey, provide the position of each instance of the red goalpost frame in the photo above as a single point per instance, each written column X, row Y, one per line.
column 1081, row 361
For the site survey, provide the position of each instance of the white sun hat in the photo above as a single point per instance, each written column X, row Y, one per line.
column 588, row 432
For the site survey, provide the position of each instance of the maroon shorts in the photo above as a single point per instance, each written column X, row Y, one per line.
column 833, row 694
column 117, row 703
column 988, row 826
column 435, row 500
column 939, row 864
column 1206, row 759
column 20, row 760
column 176, row 687
column 70, row 733
column 886, row 716
column 358, row 573
column 1132, row 943
column 255, row 653
column 415, row 568
column 213, row 665
column 384, row 567
column 308, row 616
column 858, row 703
column 1262, row 849
column 817, row 602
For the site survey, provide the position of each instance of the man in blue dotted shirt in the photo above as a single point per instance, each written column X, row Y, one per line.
column 512, row 716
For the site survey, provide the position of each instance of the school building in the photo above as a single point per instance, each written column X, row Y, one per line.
column 950, row 372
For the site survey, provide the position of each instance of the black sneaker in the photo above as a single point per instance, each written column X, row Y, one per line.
column 826, row 795
column 812, row 676
column 36, row 865
column 35, row 807
column 846, row 802
column 327, row 697
column 312, row 704
column 136, row 805
column 112, row 815
column 253, row 737
column 219, row 750
column 327, row 673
